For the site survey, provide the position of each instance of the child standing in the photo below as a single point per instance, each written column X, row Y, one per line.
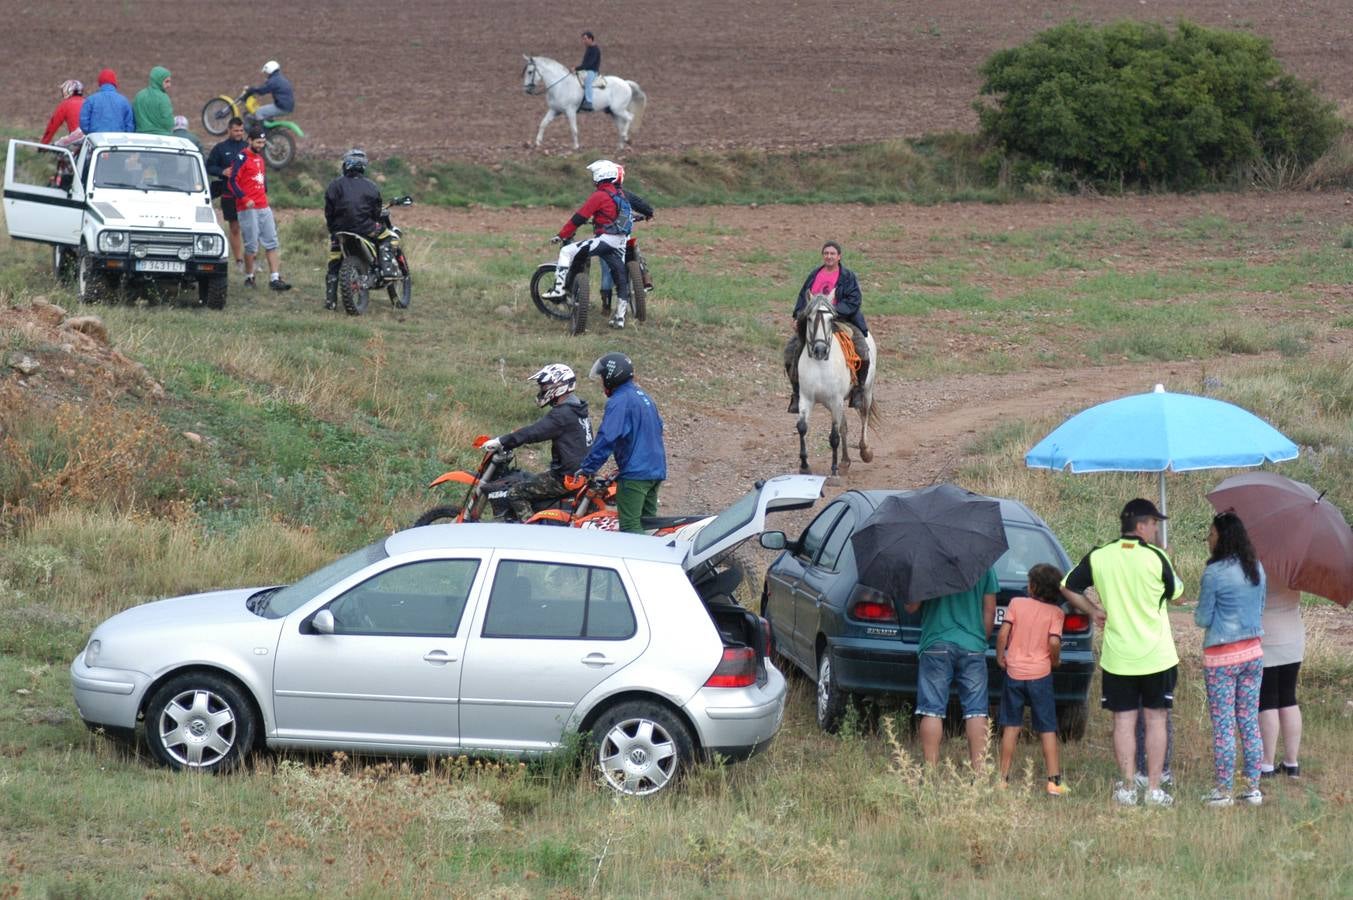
column 1028, row 647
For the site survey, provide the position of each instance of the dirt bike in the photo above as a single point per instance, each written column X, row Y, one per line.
column 282, row 133
column 360, row 271
column 573, row 306
column 589, row 504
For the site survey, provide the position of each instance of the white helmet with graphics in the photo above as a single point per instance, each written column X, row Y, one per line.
column 604, row 170
column 556, row 380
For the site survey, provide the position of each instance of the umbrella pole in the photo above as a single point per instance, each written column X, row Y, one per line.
column 1164, row 533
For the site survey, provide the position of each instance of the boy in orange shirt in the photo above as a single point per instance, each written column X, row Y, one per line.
column 1028, row 647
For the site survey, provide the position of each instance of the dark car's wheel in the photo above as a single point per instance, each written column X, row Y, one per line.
column 641, row 747
column 1071, row 721
column 200, row 721
column 444, row 514
column 831, row 700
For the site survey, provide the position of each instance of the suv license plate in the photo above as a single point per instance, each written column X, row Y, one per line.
column 160, row 265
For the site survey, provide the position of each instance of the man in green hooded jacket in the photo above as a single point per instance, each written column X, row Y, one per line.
column 153, row 111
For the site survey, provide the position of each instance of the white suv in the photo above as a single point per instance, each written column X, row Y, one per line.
column 131, row 207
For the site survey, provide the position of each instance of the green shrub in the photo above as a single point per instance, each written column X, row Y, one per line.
column 1133, row 104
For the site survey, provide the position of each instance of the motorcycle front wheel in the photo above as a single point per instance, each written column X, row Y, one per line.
column 216, row 115
column 638, row 296
column 542, row 281
column 442, row 514
column 352, row 289
column 401, row 290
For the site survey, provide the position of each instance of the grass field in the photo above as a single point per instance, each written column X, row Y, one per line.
column 319, row 432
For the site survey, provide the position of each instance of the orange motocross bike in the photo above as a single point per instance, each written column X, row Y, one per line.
column 590, row 503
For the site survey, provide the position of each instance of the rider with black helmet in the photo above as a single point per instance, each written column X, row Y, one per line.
column 352, row 203
column 631, row 428
column 566, row 426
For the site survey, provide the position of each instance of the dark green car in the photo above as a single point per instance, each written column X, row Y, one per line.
column 854, row 641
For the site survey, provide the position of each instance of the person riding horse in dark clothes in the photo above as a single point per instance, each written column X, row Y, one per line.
column 835, row 279
column 589, row 67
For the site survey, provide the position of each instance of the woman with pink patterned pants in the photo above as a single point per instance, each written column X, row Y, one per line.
column 1230, row 608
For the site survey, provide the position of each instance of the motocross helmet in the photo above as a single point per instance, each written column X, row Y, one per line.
column 71, row 86
column 614, row 369
column 354, row 161
column 555, row 380
column 604, row 170
column 271, row 66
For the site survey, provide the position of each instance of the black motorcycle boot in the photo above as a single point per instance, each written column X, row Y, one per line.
column 389, row 268
column 331, row 287
column 605, row 301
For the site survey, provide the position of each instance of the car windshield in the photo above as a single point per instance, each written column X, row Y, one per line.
column 148, row 170
column 1028, row 548
column 727, row 522
column 292, row 597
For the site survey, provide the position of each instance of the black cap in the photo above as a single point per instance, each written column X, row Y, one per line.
column 1139, row 507
column 257, row 132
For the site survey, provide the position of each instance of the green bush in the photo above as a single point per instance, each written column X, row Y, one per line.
column 1133, row 104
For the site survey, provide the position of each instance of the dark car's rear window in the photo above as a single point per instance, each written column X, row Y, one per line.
column 1028, row 548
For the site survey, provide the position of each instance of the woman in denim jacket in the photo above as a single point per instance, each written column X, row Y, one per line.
column 1230, row 607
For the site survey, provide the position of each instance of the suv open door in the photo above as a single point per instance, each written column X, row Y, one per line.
column 37, row 206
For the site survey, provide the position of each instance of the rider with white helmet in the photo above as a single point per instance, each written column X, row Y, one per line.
column 280, row 89
column 566, row 426
column 612, row 221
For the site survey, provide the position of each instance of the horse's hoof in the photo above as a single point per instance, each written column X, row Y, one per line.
column 804, row 470
column 866, row 455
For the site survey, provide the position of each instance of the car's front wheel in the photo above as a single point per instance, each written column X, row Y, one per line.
column 200, row 721
column 641, row 747
column 831, row 700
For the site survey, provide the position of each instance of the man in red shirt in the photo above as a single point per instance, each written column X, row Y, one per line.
column 249, row 186
column 612, row 221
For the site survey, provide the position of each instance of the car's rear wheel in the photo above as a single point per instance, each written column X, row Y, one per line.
column 1071, row 721
column 641, row 747
column 831, row 700
column 200, row 721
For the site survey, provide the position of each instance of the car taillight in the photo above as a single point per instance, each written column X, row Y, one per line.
column 868, row 605
column 736, row 669
column 1076, row 622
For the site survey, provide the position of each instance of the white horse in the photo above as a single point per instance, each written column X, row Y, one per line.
column 623, row 100
column 825, row 378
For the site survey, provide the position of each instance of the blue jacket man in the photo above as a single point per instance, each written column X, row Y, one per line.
column 106, row 109
column 631, row 428
column 278, row 86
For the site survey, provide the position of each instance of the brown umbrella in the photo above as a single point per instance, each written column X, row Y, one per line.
column 1302, row 538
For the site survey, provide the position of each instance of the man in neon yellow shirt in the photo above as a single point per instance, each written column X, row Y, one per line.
column 1138, row 662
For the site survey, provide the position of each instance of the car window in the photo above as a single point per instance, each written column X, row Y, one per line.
column 727, row 522
column 554, row 600
column 289, row 599
column 816, row 532
column 35, row 167
column 1028, row 548
column 421, row 598
column 837, row 541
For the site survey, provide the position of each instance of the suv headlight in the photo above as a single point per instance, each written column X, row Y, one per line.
column 112, row 241
column 208, row 245
column 92, row 653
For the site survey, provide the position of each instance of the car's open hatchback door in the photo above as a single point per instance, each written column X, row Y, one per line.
column 37, row 208
column 747, row 517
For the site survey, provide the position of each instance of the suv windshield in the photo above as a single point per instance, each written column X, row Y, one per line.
column 148, row 170
column 292, row 597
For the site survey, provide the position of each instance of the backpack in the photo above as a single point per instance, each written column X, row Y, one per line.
column 624, row 215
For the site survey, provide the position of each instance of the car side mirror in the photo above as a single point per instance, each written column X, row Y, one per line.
column 323, row 622
column 774, row 540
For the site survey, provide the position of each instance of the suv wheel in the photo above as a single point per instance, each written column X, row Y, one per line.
column 641, row 747
column 831, row 700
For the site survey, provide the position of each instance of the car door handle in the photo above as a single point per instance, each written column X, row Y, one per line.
column 597, row 659
column 440, row 657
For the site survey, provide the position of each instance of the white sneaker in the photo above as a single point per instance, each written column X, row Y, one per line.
column 617, row 322
column 1166, row 778
column 1254, row 797
column 1218, row 799
column 1123, row 795
column 555, row 293
column 1158, row 798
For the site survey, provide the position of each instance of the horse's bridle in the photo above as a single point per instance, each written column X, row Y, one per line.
column 535, row 74
column 819, row 349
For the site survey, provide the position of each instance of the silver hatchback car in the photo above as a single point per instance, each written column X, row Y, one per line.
column 471, row 638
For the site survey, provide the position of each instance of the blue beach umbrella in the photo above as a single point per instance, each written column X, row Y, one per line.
column 1160, row 432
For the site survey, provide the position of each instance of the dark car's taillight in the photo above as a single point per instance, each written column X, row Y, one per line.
column 736, row 669
column 765, row 633
column 1077, row 623
column 869, row 605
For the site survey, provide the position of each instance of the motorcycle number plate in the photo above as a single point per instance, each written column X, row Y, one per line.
column 160, row 265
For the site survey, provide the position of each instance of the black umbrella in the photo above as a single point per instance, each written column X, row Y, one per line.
column 929, row 543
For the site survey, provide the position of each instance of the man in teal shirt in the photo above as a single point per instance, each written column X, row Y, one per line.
column 955, row 630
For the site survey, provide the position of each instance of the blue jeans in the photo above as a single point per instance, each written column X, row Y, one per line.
column 267, row 111
column 940, row 665
column 588, row 77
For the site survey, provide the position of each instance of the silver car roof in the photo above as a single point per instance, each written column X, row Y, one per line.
column 491, row 536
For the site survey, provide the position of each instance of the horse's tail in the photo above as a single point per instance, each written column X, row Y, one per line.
column 639, row 102
column 875, row 417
